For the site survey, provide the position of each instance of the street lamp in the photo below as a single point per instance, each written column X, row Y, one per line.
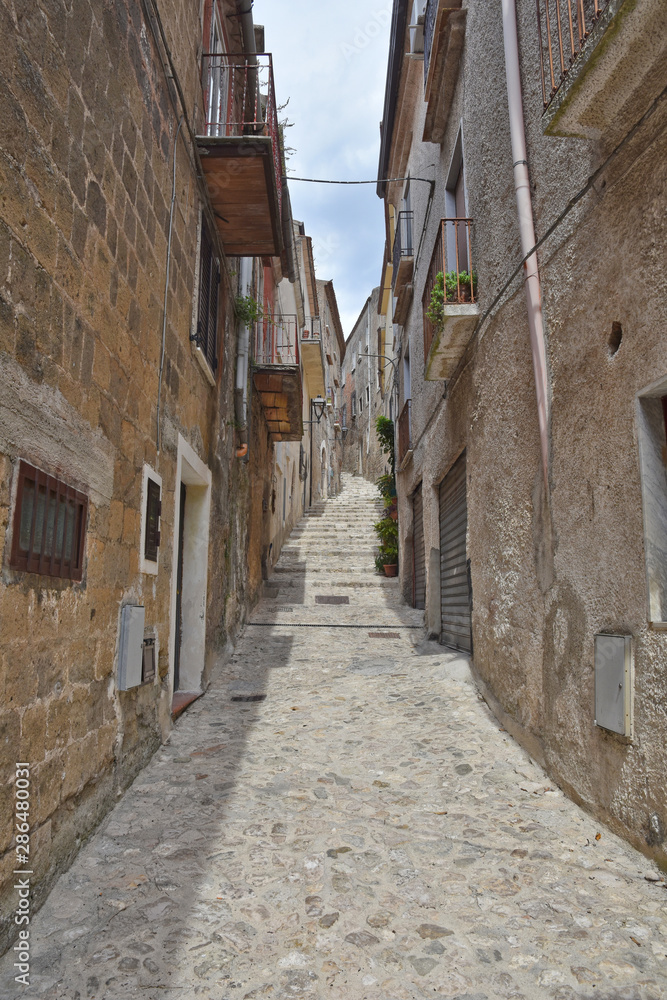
column 317, row 406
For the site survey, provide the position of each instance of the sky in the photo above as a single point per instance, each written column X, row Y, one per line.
column 330, row 60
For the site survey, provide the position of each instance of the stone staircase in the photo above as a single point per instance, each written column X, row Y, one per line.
column 331, row 553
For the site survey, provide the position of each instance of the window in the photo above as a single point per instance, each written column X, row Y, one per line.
column 353, row 405
column 652, row 426
column 49, row 526
column 153, row 512
column 361, row 404
column 206, row 336
column 368, row 395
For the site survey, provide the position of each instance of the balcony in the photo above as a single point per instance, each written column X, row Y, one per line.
column 403, row 266
column 444, row 33
column 277, row 376
column 312, row 356
column 603, row 62
column 241, row 154
column 449, row 302
column 405, row 435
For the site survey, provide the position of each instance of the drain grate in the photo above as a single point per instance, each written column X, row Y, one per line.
column 331, row 599
column 248, row 697
column 384, row 635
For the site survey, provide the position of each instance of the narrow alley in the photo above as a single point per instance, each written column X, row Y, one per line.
column 340, row 815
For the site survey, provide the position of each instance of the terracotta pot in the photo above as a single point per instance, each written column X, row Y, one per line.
column 390, row 570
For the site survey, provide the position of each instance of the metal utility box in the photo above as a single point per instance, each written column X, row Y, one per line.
column 131, row 647
column 613, row 683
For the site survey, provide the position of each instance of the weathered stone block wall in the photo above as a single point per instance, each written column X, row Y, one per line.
column 88, row 136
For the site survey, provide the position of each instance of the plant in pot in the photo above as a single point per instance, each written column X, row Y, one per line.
column 447, row 288
column 387, row 558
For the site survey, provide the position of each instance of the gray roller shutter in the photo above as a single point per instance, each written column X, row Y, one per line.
column 454, row 576
column 419, row 555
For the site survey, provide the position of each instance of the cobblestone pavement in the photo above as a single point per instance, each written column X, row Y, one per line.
column 341, row 816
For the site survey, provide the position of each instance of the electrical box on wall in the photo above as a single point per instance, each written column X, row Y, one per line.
column 614, row 683
column 131, row 647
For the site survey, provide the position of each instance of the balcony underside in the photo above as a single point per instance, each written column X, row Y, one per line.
column 403, row 302
column 279, row 387
column 241, row 182
column 450, row 342
column 614, row 79
column 313, row 366
column 443, row 70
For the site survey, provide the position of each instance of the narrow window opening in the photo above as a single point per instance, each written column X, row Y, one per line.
column 153, row 513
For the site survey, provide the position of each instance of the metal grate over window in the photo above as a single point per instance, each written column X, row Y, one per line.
column 49, row 526
column 206, row 336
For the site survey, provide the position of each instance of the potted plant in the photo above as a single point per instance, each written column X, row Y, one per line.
column 387, row 558
column 449, row 288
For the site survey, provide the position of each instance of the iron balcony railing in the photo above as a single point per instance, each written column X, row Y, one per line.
column 402, row 241
column 405, row 430
column 276, row 341
column 240, row 100
column 451, row 278
column 429, row 25
column 313, row 329
column 563, row 27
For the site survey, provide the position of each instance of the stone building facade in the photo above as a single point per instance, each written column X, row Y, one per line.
column 368, row 390
column 150, row 422
column 532, row 486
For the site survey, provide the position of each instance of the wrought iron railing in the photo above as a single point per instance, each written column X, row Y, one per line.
column 405, row 430
column 429, row 25
column 402, row 241
column 563, row 26
column 240, row 100
column 276, row 341
column 313, row 329
column 451, row 278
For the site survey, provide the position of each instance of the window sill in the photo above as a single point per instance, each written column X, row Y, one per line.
column 203, row 364
column 148, row 567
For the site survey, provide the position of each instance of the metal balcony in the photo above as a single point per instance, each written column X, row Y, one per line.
column 277, row 376
column 312, row 356
column 403, row 265
column 602, row 62
column 449, row 303
column 241, row 152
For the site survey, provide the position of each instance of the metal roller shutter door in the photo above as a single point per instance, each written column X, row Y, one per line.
column 454, row 579
column 419, row 555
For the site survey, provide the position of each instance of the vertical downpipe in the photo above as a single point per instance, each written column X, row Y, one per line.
column 526, row 227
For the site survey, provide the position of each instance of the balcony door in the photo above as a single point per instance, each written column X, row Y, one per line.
column 216, row 72
column 456, row 208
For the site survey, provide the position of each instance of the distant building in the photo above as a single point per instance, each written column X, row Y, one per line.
column 368, row 387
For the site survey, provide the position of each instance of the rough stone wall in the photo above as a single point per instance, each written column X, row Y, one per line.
column 548, row 572
column 85, row 186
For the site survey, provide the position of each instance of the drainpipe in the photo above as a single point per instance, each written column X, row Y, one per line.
column 242, row 363
column 526, row 227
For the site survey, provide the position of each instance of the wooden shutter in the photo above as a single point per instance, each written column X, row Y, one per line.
column 419, row 555
column 455, row 592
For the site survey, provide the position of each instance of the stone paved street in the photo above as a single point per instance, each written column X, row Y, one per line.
column 341, row 816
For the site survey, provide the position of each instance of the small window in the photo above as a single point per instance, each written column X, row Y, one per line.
column 353, row 405
column 368, row 394
column 206, row 336
column 361, row 404
column 49, row 526
column 153, row 512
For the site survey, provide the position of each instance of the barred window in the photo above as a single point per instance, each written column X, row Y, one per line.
column 206, row 336
column 49, row 526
